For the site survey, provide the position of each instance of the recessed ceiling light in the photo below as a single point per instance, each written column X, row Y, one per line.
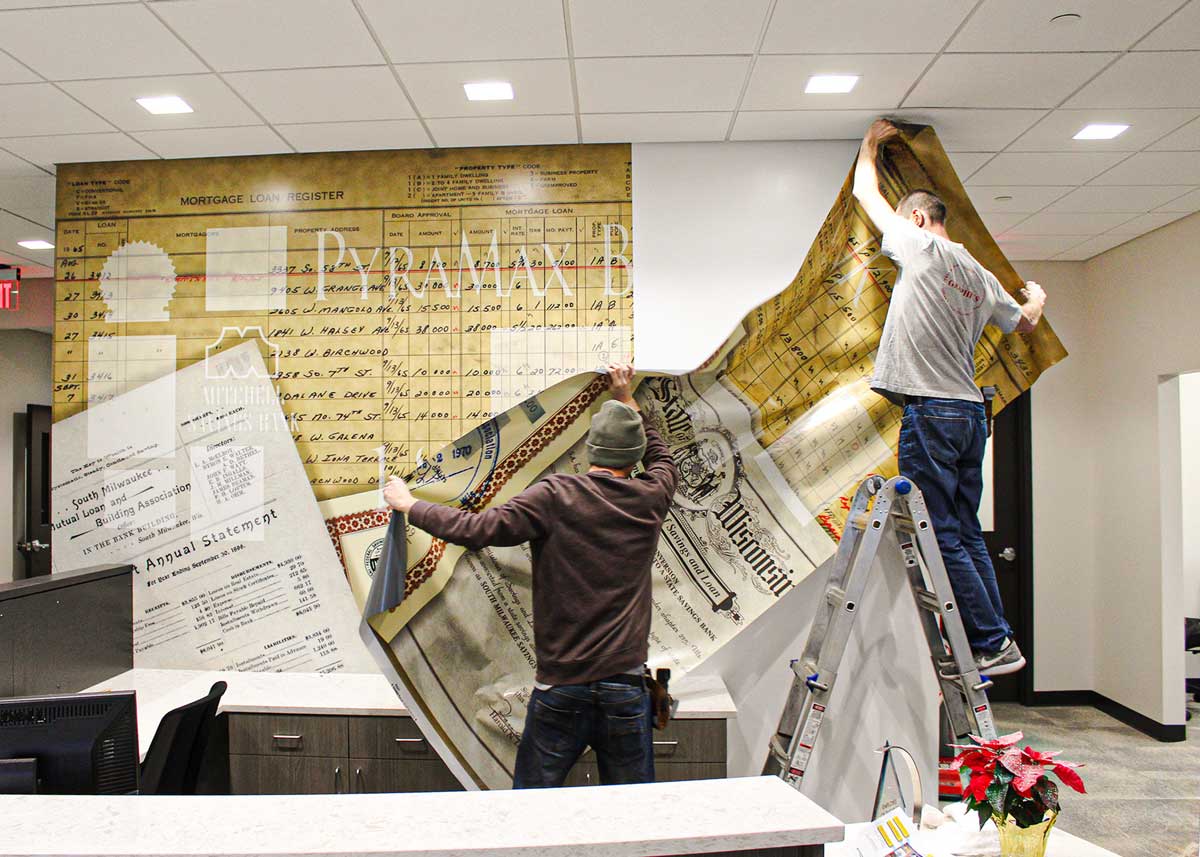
column 831, row 84
column 1066, row 18
column 36, row 244
column 1100, row 131
column 163, row 104
column 496, row 90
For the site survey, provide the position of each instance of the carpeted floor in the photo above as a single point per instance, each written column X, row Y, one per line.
column 1143, row 796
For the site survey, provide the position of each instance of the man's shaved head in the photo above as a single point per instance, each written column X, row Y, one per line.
column 926, row 201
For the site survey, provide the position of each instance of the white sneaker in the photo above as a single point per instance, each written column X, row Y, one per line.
column 1007, row 660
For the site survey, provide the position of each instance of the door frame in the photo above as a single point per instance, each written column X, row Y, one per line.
column 1023, row 423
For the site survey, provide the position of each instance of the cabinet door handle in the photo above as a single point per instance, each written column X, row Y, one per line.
column 409, row 742
column 666, row 747
column 288, row 742
column 360, row 780
column 337, row 780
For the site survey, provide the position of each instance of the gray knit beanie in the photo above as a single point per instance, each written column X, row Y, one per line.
column 616, row 438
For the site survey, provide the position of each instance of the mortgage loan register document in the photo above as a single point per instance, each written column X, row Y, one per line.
column 194, row 479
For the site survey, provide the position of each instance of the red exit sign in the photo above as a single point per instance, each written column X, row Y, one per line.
column 10, row 289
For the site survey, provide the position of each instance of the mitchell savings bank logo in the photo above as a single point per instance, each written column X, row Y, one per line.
column 955, row 293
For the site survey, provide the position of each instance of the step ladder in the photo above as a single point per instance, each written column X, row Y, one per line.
column 891, row 511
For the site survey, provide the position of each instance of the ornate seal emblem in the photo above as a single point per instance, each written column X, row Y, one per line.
column 371, row 556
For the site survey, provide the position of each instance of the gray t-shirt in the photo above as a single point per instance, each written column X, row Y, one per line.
column 938, row 311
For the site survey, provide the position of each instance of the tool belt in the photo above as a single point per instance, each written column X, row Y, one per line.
column 662, row 704
column 989, row 393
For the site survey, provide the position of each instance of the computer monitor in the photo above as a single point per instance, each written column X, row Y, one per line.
column 82, row 743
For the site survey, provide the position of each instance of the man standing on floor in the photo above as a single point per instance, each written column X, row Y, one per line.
column 925, row 363
column 593, row 538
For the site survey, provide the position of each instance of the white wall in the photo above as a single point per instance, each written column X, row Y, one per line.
column 1144, row 327
column 1189, row 432
column 719, row 228
column 1102, row 439
column 1065, row 491
column 25, row 357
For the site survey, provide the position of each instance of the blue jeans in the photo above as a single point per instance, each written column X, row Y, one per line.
column 612, row 718
column 941, row 449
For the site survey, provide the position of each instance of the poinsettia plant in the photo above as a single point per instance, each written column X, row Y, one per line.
column 1001, row 780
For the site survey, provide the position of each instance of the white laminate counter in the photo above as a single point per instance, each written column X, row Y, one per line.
column 158, row 691
column 696, row 817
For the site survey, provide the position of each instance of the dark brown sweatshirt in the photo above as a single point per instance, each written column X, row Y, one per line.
column 593, row 538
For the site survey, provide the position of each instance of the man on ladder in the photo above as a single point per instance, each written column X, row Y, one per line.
column 925, row 363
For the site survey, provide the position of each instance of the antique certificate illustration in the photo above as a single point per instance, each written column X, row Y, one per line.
column 399, row 299
column 193, row 479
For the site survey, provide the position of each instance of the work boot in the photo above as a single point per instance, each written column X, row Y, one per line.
column 1007, row 659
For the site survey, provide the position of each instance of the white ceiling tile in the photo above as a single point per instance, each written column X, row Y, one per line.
column 802, row 124
column 1166, row 79
column 76, row 148
column 1164, row 168
column 659, row 83
column 1187, row 203
column 617, row 28
column 1130, row 199
column 14, row 229
column 95, row 41
column 503, row 130
column 31, row 197
column 11, row 166
column 1024, row 25
column 1144, row 223
column 1181, row 32
column 816, row 26
column 1044, row 168
column 1093, row 247
column 213, row 142
column 44, row 110
column 354, row 136
column 234, row 35
column 998, row 221
column 323, row 94
column 1069, row 223
column 213, row 102
column 12, row 71
column 1022, row 247
column 654, row 127
column 967, row 163
column 1014, row 198
column 778, row 81
column 1004, row 80
column 1186, row 139
column 1056, row 132
column 972, row 130
column 418, row 31
column 539, row 86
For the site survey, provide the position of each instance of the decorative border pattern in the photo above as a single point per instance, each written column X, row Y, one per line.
column 356, row 522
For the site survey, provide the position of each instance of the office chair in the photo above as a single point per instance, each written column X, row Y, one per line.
column 176, row 754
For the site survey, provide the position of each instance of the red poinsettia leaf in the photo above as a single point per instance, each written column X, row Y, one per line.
column 1012, row 760
column 979, row 785
column 1069, row 777
column 1028, row 777
column 1001, row 743
column 1031, row 755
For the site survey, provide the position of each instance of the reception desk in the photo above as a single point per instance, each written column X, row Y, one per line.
column 303, row 733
